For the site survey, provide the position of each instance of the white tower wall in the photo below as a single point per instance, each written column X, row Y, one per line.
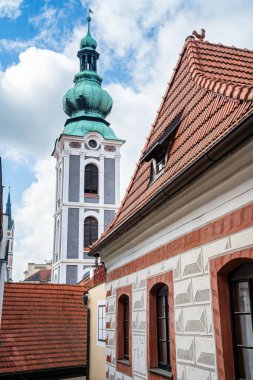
column 73, row 206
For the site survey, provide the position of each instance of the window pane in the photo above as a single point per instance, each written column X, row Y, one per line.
column 160, row 306
column 161, row 330
column 163, row 327
column 162, row 353
column 126, row 327
column 91, row 179
column 245, row 363
column 90, row 231
column 241, row 297
column 243, row 326
column 126, row 348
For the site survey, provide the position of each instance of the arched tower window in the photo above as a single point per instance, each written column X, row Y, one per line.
column 90, row 233
column 91, row 179
column 241, row 291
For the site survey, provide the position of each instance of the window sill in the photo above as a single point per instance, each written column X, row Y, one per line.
column 161, row 372
column 91, row 195
column 124, row 361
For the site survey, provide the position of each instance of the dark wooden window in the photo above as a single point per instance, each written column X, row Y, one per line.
column 126, row 327
column 241, row 289
column 163, row 338
column 101, row 323
column 91, row 179
column 90, row 231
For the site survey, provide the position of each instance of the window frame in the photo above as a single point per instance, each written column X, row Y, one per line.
column 154, row 284
column 89, row 175
column 101, row 304
column 220, row 268
column 123, row 365
column 126, row 337
column 163, row 289
column 241, row 278
column 90, row 232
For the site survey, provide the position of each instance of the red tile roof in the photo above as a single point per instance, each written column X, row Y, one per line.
column 43, row 327
column 43, row 275
column 212, row 86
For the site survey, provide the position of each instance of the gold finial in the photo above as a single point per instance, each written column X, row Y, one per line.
column 199, row 36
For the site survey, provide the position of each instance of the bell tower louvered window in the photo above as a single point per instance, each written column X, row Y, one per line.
column 90, row 231
column 91, row 179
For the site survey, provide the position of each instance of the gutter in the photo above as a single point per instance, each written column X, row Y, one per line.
column 225, row 146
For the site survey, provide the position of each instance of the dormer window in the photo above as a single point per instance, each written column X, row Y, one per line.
column 158, row 164
column 158, row 153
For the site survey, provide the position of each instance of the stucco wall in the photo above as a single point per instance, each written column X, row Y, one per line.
column 97, row 349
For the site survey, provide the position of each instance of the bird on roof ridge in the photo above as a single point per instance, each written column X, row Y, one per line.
column 199, row 36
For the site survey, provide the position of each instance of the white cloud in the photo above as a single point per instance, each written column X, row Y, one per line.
column 10, row 8
column 34, row 220
column 31, row 101
column 139, row 42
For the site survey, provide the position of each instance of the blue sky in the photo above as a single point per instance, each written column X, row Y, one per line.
column 139, row 42
column 23, row 28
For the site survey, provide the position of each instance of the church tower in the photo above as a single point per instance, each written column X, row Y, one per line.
column 10, row 238
column 87, row 169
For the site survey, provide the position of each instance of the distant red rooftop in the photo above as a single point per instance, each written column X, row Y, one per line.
column 43, row 328
column 42, row 275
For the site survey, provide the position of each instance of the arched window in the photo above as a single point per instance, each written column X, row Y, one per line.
column 162, row 322
column 91, row 179
column 161, row 335
column 90, row 233
column 241, row 292
column 123, row 326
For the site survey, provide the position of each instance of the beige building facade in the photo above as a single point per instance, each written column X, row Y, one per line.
column 97, row 332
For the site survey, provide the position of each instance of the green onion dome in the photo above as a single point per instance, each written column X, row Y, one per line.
column 87, row 104
column 87, row 97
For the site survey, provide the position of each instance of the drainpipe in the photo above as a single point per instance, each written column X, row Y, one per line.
column 85, row 299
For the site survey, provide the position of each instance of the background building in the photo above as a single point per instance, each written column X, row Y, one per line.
column 3, row 243
column 39, row 272
column 10, row 238
column 87, row 170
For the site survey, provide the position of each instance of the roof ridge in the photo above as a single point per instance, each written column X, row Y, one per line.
column 218, row 86
column 46, row 284
column 219, row 44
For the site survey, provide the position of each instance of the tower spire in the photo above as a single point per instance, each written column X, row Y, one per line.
column 87, row 104
column 89, row 19
column 8, row 209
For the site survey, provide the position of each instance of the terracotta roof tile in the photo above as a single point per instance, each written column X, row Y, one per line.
column 43, row 327
column 212, row 86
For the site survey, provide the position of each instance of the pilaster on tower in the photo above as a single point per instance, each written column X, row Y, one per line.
column 87, row 169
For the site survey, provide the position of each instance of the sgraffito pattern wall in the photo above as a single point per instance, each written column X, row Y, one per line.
column 193, row 317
